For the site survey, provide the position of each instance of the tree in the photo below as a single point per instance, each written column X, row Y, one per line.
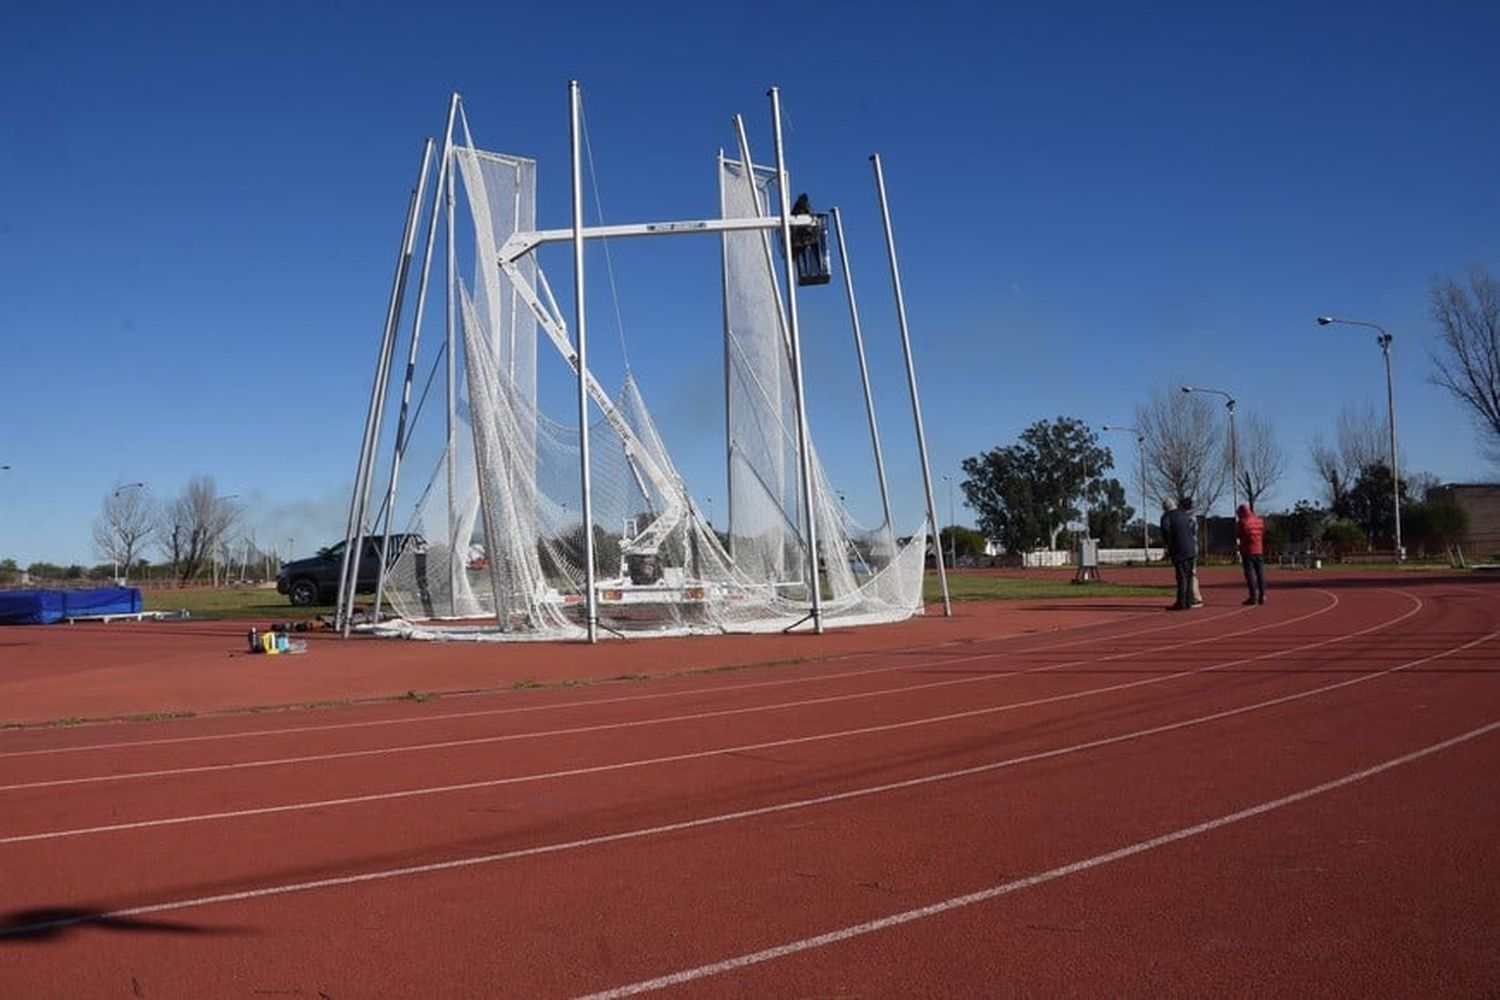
column 1185, row 449
column 1030, row 490
column 125, row 524
column 1262, row 461
column 9, row 571
column 1467, row 360
column 963, row 543
column 1361, row 443
column 1109, row 514
column 1304, row 522
column 1432, row 527
column 195, row 525
column 1367, row 503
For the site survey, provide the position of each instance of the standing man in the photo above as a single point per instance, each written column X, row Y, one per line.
column 1182, row 548
column 1252, row 532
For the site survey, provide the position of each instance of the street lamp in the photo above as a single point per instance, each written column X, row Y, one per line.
column 952, row 523
column 1140, row 440
column 114, row 518
column 1233, row 443
column 1384, row 340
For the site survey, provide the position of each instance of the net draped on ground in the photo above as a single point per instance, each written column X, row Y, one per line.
column 503, row 555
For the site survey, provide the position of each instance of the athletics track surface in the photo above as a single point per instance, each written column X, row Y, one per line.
column 1297, row 799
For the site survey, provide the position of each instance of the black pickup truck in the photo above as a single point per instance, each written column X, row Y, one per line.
column 315, row 580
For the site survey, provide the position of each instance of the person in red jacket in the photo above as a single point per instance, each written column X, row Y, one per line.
column 1252, row 533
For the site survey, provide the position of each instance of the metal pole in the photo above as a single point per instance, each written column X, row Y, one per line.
column 1390, row 405
column 359, row 499
column 911, row 379
column 804, row 445
column 399, row 451
column 455, row 560
column 591, row 600
column 728, row 418
column 864, row 371
column 1234, row 470
column 1145, row 525
column 952, row 523
column 1384, row 340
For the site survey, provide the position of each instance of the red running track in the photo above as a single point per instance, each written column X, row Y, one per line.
column 1295, row 799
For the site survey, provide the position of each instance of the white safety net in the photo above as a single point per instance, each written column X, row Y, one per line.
column 503, row 554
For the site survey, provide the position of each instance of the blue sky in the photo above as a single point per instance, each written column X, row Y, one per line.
column 1091, row 200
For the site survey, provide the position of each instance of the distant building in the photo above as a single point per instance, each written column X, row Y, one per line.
column 1481, row 502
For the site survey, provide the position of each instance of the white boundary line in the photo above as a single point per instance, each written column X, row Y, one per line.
column 689, row 718
column 656, row 695
column 705, row 821
column 984, row 895
column 699, row 716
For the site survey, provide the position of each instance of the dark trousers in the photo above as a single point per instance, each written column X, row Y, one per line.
column 1255, row 577
column 1184, row 571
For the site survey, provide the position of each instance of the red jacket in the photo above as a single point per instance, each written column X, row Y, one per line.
column 1252, row 532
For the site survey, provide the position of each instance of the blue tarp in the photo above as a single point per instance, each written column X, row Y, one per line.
column 43, row 607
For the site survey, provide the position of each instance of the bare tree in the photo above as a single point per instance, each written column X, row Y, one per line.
column 1362, row 442
column 1185, row 447
column 1468, row 358
column 1262, row 460
column 194, row 526
column 126, row 522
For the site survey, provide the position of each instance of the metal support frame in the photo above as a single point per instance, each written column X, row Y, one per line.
column 398, row 451
column 911, row 382
column 591, row 603
column 804, row 439
column 864, row 370
column 522, row 243
column 359, row 499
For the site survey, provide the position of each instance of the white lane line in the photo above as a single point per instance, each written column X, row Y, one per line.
column 705, row 821
column 984, row 895
column 724, row 751
column 510, row 710
column 663, row 720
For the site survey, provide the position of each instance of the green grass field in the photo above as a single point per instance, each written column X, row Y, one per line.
column 263, row 603
column 249, row 603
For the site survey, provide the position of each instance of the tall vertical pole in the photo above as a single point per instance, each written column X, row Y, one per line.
column 864, row 371
column 359, row 498
column 804, row 443
column 911, row 381
column 591, row 605
column 728, row 416
column 399, row 452
column 952, row 523
column 457, row 555
column 1140, row 440
column 1390, row 409
column 1234, row 471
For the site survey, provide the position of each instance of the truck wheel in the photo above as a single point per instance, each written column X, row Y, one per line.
column 303, row 593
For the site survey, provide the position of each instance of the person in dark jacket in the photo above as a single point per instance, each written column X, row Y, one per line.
column 1181, row 541
column 1252, row 534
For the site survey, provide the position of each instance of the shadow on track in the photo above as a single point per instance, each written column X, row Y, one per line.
column 47, row 923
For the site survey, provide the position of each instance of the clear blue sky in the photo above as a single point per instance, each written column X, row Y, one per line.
column 1092, row 201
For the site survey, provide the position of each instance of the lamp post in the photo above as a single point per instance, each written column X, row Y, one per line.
column 1384, row 340
column 1140, row 440
column 1234, row 460
column 114, row 519
column 952, row 523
